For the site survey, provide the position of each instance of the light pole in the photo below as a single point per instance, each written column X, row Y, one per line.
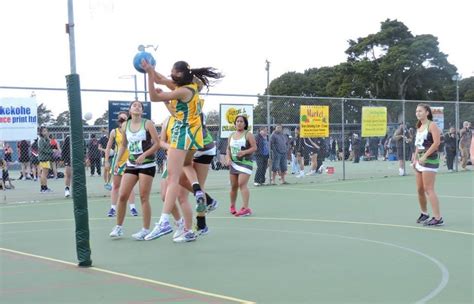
column 134, row 77
column 142, row 48
column 456, row 78
column 267, row 68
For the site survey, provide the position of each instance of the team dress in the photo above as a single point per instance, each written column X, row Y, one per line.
column 122, row 162
column 240, row 165
column 186, row 130
column 423, row 141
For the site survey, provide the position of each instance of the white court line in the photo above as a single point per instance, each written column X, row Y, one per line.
column 432, row 294
column 131, row 277
column 371, row 193
column 435, row 229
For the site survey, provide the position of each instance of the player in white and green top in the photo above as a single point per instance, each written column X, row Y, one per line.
column 142, row 141
column 240, row 148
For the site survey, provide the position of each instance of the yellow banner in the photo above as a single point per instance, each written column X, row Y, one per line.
column 314, row 121
column 374, row 121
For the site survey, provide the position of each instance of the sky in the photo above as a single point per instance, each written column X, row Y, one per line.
column 235, row 37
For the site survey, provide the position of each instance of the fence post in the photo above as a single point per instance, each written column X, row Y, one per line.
column 456, row 114
column 403, row 137
column 343, row 141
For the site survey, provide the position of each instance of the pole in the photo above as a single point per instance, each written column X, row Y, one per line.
column 267, row 68
column 403, row 137
column 135, row 83
column 79, row 190
column 144, row 86
column 456, row 158
column 343, row 140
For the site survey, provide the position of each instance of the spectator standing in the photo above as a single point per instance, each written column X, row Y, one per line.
column 94, row 155
column 24, row 159
column 261, row 155
column 279, row 150
column 450, row 147
column 400, row 137
column 465, row 138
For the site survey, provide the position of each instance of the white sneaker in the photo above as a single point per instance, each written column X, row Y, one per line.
column 401, row 172
column 186, row 236
column 311, row 173
column 300, row 175
column 179, row 229
column 67, row 193
column 117, row 232
column 159, row 230
column 140, row 235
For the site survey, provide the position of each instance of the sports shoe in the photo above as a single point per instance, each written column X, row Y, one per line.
column 159, row 230
column 232, row 210
column 111, row 212
column 200, row 201
column 108, row 187
column 203, row 231
column 434, row 222
column 212, row 206
column 300, row 175
column 67, row 193
column 422, row 218
column 46, row 190
column 186, row 236
column 117, row 232
column 401, row 172
column 140, row 235
column 257, row 184
column 244, row 212
column 179, row 229
column 134, row 212
column 311, row 173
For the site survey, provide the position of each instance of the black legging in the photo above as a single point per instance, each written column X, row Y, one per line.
column 262, row 165
column 450, row 155
column 95, row 164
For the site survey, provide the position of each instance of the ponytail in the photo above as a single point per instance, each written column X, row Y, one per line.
column 203, row 74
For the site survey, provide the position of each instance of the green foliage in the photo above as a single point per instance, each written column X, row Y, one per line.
column 103, row 120
column 390, row 64
column 45, row 116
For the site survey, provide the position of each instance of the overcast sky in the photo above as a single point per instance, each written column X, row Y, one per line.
column 233, row 36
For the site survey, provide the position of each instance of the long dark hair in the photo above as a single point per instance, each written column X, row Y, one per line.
column 430, row 114
column 119, row 122
column 203, row 74
column 246, row 121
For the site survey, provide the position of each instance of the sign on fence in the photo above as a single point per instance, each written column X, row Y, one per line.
column 18, row 119
column 374, row 121
column 438, row 116
column 314, row 121
column 116, row 107
column 228, row 113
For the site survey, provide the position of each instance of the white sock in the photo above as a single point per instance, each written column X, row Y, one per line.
column 132, row 206
column 425, row 213
column 165, row 217
column 113, row 206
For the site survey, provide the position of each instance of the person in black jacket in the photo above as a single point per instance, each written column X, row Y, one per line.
column 450, row 146
column 261, row 155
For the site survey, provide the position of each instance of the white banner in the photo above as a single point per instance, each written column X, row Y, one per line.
column 18, row 119
column 438, row 116
column 229, row 112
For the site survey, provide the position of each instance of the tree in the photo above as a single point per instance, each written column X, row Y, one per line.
column 63, row 119
column 213, row 118
column 404, row 66
column 103, row 120
column 45, row 116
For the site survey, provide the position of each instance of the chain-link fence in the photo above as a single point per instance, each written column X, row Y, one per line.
column 342, row 153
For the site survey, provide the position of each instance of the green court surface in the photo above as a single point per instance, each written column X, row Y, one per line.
column 352, row 241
